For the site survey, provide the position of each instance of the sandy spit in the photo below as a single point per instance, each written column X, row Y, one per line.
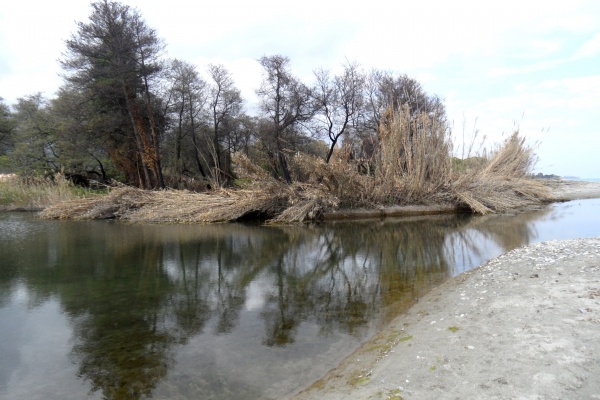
column 525, row 325
column 573, row 190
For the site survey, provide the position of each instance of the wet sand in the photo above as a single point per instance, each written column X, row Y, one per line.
column 525, row 325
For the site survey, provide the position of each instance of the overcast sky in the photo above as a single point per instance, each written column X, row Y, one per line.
column 531, row 64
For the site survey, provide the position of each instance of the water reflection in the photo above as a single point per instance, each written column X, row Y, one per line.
column 226, row 311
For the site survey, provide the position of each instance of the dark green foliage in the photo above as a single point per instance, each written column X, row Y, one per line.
column 6, row 128
column 113, row 59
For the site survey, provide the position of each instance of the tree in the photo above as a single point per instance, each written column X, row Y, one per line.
column 82, row 151
column 35, row 136
column 385, row 90
column 241, row 132
column 6, row 130
column 339, row 101
column 114, row 58
column 286, row 102
column 187, row 97
column 225, row 103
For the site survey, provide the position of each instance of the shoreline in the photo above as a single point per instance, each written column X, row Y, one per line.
column 563, row 190
column 136, row 205
column 523, row 325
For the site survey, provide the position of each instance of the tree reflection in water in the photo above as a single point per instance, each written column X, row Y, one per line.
column 135, row 294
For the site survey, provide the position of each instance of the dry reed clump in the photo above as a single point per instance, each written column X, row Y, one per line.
column 503, row 181
column 34, row 193
column 339, row 181
column 262, row 197
column 134, row 204
column 414, row 166
column 306, row 199
column 414, row 163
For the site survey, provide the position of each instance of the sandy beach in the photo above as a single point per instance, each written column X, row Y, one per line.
column 525, row 325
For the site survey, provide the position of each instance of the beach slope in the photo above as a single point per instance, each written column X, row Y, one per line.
column 525, row 325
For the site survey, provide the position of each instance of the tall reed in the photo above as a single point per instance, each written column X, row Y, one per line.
column 34, row 193
column 414, row 163
column 502, row 180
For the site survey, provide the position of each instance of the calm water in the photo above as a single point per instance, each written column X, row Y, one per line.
column 118, row 311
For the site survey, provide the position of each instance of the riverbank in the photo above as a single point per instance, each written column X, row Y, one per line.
column 61, row 201
column 524, row 325
column 562, row 190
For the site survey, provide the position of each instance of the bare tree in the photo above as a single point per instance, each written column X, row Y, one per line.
column 187, row 100
column 384, row 90
column 339, row 101
column 225, row 103
column 286, row 102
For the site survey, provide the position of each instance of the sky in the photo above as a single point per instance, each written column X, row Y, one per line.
column 499, row 66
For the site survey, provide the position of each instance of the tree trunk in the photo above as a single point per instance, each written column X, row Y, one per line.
column 157, row 167
column 217, row 156
column 197, row 156
column 139, row 135
column 178, row 162
column 156, row 164
column 283, row 163
column 330, row 152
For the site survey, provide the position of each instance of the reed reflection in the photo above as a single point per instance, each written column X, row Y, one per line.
column 135, row 294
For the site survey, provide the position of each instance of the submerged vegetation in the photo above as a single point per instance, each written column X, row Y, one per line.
column 175, row 147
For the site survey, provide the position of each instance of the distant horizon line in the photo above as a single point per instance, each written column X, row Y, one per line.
column 580, row 179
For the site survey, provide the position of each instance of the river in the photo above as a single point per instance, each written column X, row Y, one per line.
column 103, row 309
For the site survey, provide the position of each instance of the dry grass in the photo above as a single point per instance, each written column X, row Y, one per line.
column 262, row 197
column 338, row 182
column 503, row 182
column 34, row 194
column 133, row 204
column 415, row 159
column 413, row 167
